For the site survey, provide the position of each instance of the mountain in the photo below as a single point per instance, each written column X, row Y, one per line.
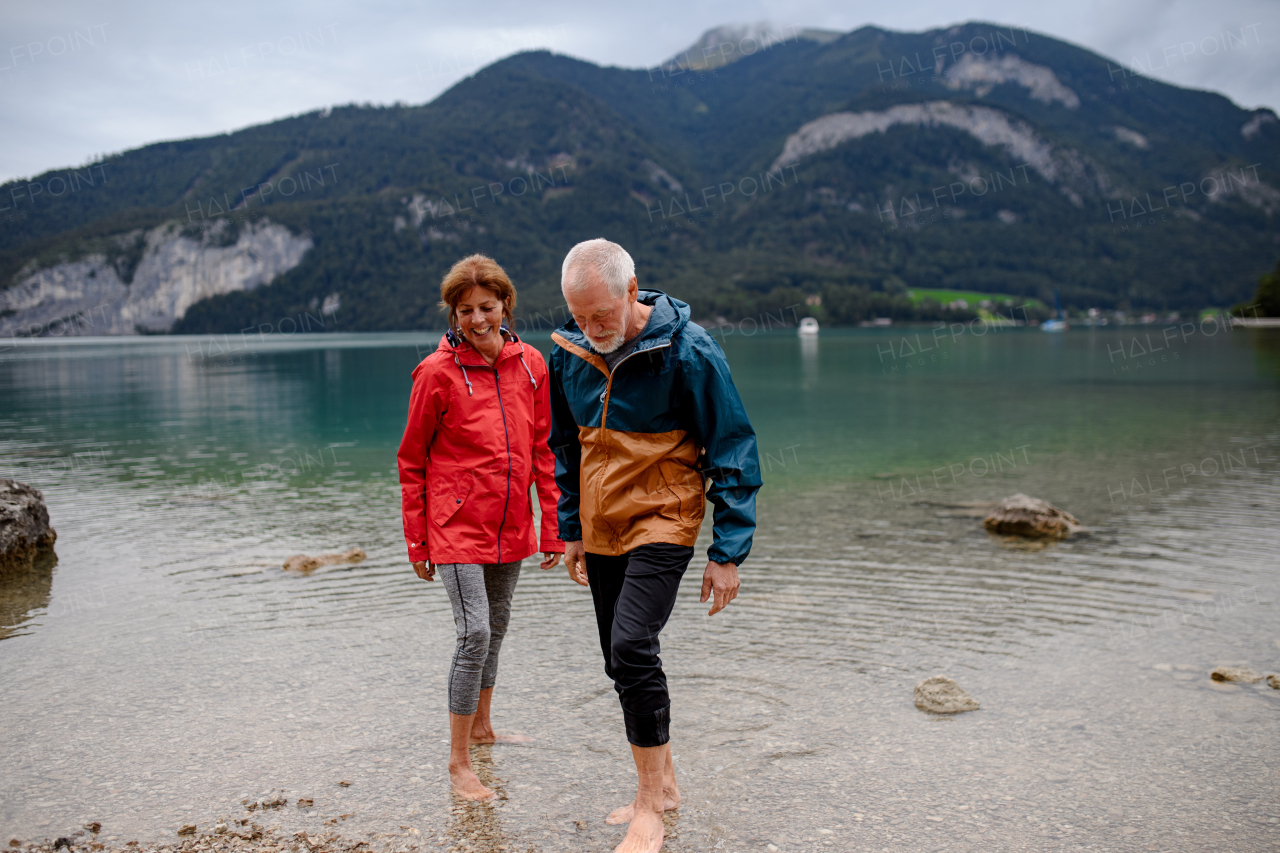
column 814, row 173
column 720, row 46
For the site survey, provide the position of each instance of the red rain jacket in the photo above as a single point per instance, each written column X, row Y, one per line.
column 475, row 443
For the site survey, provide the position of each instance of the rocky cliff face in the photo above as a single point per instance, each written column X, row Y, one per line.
column 983, row 73
column 988, row 125
column 105, row 293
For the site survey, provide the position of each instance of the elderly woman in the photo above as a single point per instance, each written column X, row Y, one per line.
column 476, row 440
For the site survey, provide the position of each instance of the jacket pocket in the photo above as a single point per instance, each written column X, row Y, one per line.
column 449, row 494
column 684, row 484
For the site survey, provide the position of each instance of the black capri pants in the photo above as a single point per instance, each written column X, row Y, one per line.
column 633, row 595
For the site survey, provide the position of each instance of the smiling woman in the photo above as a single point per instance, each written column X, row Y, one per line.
column 479, row 417
column 480, row 300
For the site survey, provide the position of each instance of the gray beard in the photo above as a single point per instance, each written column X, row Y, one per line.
column 618, row 340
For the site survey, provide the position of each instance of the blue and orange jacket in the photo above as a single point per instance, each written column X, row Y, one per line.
column 633, row 448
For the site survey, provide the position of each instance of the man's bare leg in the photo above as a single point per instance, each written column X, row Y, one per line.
column 670, row 791
column 482, row 728
column 461, row 777
column 645, row 833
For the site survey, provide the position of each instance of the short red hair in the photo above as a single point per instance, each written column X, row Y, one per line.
column 467, row 273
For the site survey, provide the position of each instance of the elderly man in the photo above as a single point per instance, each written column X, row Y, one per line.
column 645, row 426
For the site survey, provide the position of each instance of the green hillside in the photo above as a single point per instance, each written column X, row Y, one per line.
column 539, row 151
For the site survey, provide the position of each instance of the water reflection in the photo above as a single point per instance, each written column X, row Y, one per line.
column 25, row 590
column 1266, row 347
column 808, row 360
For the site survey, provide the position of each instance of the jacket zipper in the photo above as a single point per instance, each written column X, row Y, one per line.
column 608, row 387
column 604, row 413
column 507, row 435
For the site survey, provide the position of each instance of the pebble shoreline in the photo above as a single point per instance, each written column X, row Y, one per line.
column 249, row 839
column 247, row 835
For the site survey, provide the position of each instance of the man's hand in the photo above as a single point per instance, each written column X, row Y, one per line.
column 549, row 560
column 575, row 560
column 723, row 579
column 425, row 570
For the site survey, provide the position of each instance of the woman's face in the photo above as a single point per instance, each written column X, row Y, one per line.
column 479, row 317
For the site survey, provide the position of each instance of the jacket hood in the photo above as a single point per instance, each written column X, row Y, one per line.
column 472, row 448
column 640, row 451
column 467, row 354
column 669, row 316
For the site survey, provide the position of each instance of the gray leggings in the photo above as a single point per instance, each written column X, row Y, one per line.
column 481, row 598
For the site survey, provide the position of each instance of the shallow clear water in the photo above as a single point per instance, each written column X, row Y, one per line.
column 167, row 667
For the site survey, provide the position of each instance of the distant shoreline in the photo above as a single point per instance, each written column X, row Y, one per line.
column 240, row 343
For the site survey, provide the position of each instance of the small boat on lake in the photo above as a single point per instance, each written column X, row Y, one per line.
column 808, row 326
column 1058, row 324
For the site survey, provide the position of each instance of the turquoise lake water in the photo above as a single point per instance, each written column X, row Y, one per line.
column 167, row 667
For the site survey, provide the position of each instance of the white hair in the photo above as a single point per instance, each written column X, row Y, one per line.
column 597, row 258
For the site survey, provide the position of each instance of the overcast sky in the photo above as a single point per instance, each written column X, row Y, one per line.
column 78, row 79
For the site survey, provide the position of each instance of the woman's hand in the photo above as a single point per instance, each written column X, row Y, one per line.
column 425, row 570
column 550, row 559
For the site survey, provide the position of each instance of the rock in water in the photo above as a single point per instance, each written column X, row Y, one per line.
column 1026, row 516
column 25, row 533
column 1236, row 673
column 301, row 563
column 304, row 564
column 941, row 695
column 1273, row 681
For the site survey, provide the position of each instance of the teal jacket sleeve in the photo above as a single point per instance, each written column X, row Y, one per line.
column 719, row 424
column 568, row 452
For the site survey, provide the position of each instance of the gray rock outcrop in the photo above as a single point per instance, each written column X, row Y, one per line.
column 1243, row 674
column 176, row 267
column 1021, row 515
column 983, row 73
column 988, row 125
column 1072, row 172
column 25, row 533
column 1253, row 126
column 305, row 565
column 728, row 43
column 941, row 695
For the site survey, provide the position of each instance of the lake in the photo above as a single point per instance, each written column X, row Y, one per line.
column 167, row 668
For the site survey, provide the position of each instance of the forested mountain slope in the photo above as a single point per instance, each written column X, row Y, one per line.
column 851, row 167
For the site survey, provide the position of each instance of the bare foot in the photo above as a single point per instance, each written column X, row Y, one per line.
column 644, row 835
column 670, row 800
column 491, row 737
column 464, row 783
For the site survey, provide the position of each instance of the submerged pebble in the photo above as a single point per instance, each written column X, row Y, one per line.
column 1236, row 673
column 304, row 564
column 941, row 695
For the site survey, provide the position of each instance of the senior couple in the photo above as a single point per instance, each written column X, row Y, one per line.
column 640, row 422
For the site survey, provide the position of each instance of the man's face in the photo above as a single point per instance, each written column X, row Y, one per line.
column 601, row 317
